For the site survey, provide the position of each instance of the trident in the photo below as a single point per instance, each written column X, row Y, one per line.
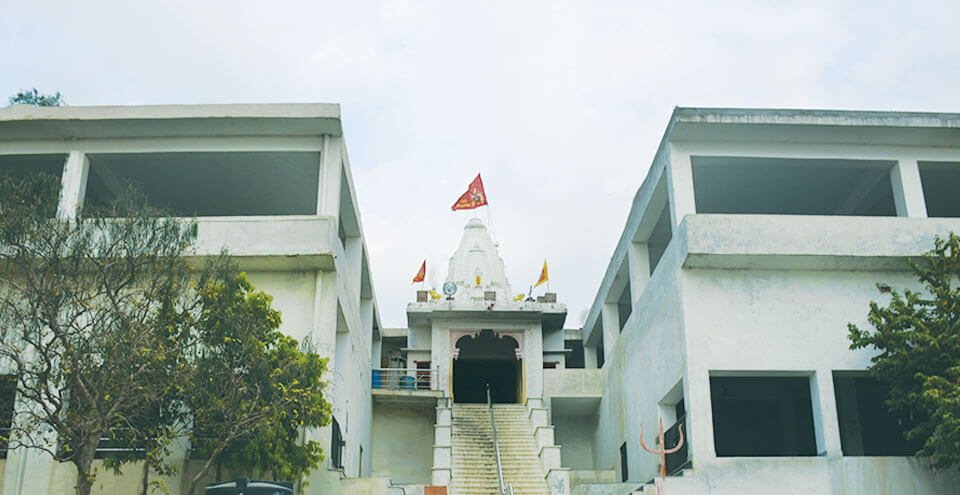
column 663, row 448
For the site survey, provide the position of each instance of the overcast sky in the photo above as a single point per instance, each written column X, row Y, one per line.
column 560, row 105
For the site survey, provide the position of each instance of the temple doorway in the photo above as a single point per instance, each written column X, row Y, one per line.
column 487, row 358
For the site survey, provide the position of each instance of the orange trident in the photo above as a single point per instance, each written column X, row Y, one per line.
column 663, row 448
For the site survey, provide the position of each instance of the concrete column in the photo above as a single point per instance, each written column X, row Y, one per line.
column 353, row 267
column 907, row 189
column 73, row 185
column 680, row 186
column 638, row 260
column 825, row 423
column 610, row 321
column 328, row 193
column 589, row 357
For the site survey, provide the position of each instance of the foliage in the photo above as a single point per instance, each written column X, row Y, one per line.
column 918, row 336
column 35, row 98
column 92, row 316
column 254, row 389
column 114, row 336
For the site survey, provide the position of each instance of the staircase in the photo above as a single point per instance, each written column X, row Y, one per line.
column 474, row 458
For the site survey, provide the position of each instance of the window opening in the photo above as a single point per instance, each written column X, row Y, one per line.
column 423, row 377
column 867, row 427
column 941, row 181
column 762, row 416
column 677, row 460
column 8, row 396
column 624, row 305
column 574, row 354
column 791, row 186
column 336, row 445
column 623, row 463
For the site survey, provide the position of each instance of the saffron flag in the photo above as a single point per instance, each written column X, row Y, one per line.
column 421, row 273
column 543, row 274
column 473, row 198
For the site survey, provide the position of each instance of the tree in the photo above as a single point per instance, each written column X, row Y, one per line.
column 94, row 315
column 35, row 98
column 918, row 336
column 255, row 389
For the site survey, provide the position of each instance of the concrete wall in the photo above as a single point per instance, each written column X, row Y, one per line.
column 317, row 281
column 763, row 321
column 574, row 434
column 403, row 443
column 643, row 364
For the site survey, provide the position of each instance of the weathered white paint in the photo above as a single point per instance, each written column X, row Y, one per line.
column 761, row 295
column 403, row 440
column 323, row 288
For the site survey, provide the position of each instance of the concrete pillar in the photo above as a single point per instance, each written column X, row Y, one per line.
column 638, row 260
column 825, row 423
column 907, row 189
column 73, row 185
column 680, row 186
column 353, row 266
column 610, row 321
column 328, row 193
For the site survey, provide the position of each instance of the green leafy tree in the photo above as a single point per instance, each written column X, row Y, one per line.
column 918, row 339
column 255, row 389
column 35, row 98
column 92, row 317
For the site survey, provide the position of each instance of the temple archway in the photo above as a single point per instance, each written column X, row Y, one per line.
column 487, row 357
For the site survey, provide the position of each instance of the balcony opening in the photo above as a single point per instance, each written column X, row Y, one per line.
column 762, row 416
column 574, row 359
column 941, row 181
column 20, row 166
column 790, row 186
column 211, row 183
column 867, row 428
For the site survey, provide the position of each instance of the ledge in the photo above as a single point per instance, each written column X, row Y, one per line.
column 295, row 242
column 806, row 242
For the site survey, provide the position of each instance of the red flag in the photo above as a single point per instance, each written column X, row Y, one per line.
column 420, row 274
column 473, row 198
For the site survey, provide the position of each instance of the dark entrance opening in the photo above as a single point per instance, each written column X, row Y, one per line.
column 486, row 358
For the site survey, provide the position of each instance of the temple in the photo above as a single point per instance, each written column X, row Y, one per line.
column 755, row 238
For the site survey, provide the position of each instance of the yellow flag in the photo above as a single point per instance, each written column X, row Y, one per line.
column 543, row 275
column 519, row 297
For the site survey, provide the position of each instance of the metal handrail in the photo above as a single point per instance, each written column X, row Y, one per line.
column 496, row 444
column 405, row 378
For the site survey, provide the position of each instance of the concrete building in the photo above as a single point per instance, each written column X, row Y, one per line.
column 755, row 237
column 272, row 184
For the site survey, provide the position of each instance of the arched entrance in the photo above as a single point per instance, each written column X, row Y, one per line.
column 482, row 358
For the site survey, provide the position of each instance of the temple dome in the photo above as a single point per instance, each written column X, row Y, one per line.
column 476, row 265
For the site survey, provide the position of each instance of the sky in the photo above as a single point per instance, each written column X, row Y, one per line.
column 559, row 105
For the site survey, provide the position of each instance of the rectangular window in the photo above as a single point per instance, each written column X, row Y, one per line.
column 677, row 460
column 762, row 416
column 336, row 445
column 792, row 186
column 867, row 428
column 549, row 365
column 940, row 181
column 624, row 476
column 624, row 305
column 248, row 183
column 8, row 396
column 423, row 377
column 575, row 356
column 600, row 352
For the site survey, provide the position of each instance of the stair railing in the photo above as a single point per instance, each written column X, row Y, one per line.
column 496, row 446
